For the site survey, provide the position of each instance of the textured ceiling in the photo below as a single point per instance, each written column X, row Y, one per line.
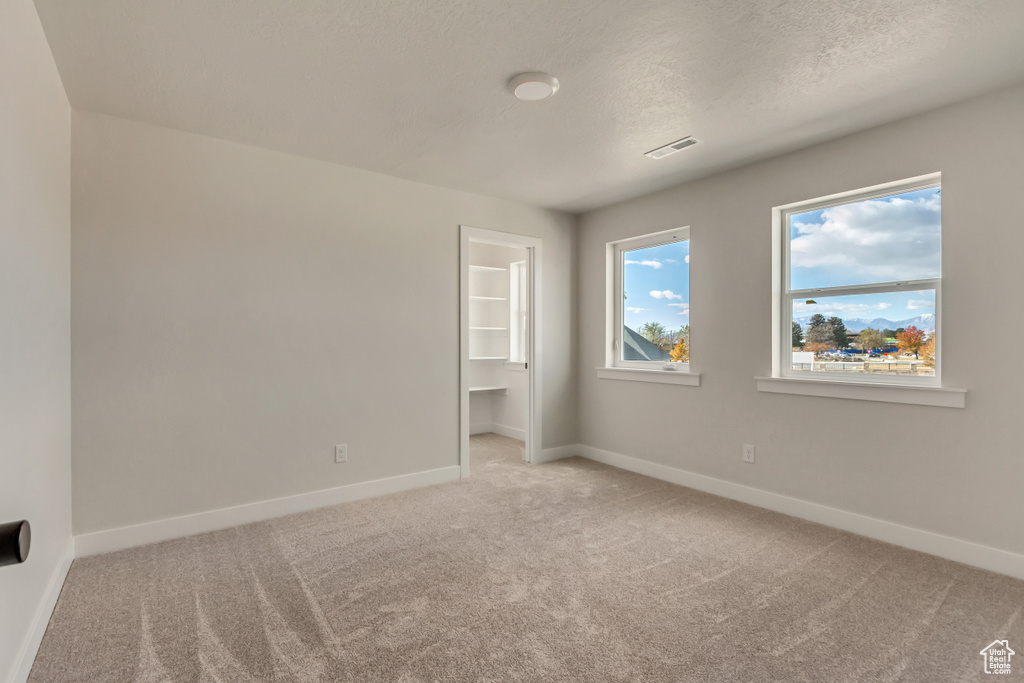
column 416, row 88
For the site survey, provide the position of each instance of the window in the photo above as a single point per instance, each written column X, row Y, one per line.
column 861, row 288
column 649, row 302
column 518, row 300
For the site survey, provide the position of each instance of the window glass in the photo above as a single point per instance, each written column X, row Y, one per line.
column 864, row 285
column 886, row 239
column 656, row 303
column 892, row 333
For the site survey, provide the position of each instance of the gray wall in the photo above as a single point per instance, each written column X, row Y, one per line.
column 954, row 472
column 35, row 422
column 237, row 312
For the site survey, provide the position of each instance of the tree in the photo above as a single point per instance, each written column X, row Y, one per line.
column 798, row 336
column 656, row 334
column 680, row 353
column 682, row 333
column 871, row 339
column 819, row 334
column 910, row 340
column 840, row 335
column 928, row 351
column 817, row 347
column 824, row 334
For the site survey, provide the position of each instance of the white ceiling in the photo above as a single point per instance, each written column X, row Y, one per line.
column 416, row 88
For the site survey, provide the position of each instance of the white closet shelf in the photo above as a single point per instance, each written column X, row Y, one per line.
column 503, row 390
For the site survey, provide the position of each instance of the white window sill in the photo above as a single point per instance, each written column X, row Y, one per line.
column 691, row 379
column 862, row 391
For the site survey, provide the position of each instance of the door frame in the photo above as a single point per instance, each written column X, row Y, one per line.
column 532, row 245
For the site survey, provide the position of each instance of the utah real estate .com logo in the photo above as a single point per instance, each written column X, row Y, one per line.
column 997, row 657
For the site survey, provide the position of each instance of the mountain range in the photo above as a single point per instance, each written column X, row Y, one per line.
column 924, row 322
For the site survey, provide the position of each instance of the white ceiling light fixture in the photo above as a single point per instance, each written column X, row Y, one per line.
column 672, row 147
column 533, row 86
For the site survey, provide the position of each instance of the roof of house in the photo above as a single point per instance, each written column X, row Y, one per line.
column 636, row 347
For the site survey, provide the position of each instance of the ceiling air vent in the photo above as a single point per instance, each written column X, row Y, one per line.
column 672, row 147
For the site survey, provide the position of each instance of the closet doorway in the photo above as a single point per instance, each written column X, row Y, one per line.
column 499, row 333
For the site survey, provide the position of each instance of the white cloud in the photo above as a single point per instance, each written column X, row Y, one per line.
column 687, row 259
column 873, row 241
column 684, row 309
column 842, row 310
column 671, row 260
column 666, row 294
column 849, row 310
column 651, row 264
column 634, row 309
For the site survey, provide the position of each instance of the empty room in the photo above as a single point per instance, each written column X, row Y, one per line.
column 467, row 340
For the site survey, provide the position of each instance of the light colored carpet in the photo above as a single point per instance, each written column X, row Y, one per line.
column 569, row 571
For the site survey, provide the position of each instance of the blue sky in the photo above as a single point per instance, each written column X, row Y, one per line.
column 879, row 240
column 657, row 285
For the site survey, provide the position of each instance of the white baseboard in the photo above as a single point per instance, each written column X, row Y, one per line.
column 556, row 453
column 510, row 432
column 224, row 518
column 974, row 554
column 23, row 664
column 494, row 427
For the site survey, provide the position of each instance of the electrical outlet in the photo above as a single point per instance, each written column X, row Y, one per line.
column 748, row 453
column 341, row 453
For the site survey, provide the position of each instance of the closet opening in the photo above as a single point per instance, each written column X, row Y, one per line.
column 499, row 343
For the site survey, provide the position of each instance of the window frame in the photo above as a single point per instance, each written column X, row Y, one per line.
column 782, row 314
column 518, row 296
column 616, row 254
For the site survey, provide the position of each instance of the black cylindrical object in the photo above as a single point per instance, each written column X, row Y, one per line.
column 15, row 539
